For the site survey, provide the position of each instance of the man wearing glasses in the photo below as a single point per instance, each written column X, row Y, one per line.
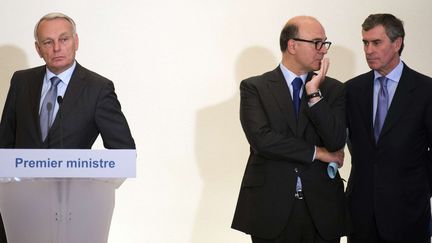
column 294, row 121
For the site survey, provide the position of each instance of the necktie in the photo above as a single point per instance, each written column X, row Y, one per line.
column 47, row 108
column 382, row 107
column 297, row 84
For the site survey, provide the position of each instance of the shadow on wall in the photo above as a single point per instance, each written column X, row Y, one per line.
column 222, row 150
column 342, row 63
column 342, row 67
column 11, row 59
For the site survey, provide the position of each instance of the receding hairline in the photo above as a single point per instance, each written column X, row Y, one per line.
column 52, row 16
column 298, row 20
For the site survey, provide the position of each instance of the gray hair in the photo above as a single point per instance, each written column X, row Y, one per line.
column 52, row 16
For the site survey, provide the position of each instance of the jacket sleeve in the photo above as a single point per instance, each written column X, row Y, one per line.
column 8, row 120
column 328, row 117
column 111, row 122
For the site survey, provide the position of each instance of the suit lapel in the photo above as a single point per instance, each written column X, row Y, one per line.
column 279, row 88
column 73, row 91
column 401, row 100
column 35, row 89
column 302, row 119
column 365, row 102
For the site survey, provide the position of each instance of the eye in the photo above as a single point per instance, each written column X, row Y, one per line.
column 47, row 43
column 64, row 39
column 376, row 42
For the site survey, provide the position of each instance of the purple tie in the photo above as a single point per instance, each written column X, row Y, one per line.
column 382, row 106
column 297, row 84
column 47, row 108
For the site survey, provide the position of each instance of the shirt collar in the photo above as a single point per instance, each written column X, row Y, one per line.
column 65, row 76
column 394, row 75
column 290, row 76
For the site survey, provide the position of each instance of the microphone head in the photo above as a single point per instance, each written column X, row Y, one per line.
column 59, row 100
column 49, row 106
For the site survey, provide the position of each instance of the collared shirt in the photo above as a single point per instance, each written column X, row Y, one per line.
column 289, row 77
column 65, row 77
column 393, row 81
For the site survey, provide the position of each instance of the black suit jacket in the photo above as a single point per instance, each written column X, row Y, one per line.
column 282, row 149
column 390, row 179
column 90, row 107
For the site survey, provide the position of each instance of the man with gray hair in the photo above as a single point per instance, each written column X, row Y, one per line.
column 389, row 119
column 61, row 104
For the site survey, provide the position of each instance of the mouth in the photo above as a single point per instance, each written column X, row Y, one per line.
column 55, row 59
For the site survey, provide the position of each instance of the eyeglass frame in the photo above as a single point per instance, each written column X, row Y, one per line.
column 316, row 43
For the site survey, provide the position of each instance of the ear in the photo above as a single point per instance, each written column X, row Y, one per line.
column 398, row 43
column 76, row 41
column 38, row 49
column 291, row 46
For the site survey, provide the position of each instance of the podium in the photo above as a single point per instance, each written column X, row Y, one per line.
column 61, row 195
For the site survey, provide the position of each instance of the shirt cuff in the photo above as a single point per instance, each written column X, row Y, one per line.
column 310, row 104
column 313, row 158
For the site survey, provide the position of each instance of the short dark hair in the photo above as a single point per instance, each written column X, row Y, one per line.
column 289, row 31
column 392, row 25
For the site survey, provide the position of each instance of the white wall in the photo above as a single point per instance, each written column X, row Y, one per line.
column 177, row 66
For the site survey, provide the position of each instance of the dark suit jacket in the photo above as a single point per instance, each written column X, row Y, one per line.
column 90, row 107
column 280, row 146
column 390, row 179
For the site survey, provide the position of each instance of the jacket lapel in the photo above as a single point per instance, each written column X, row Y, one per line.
column 73, row 91
column 279, row 88
column 35, row 89
column 365, row 102
column 302, row 119
column 401, row 100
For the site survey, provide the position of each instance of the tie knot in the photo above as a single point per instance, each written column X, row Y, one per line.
column 55, row 81
column 383, row 81
column 297, row 83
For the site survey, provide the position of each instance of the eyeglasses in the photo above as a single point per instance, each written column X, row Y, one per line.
column 318, row 44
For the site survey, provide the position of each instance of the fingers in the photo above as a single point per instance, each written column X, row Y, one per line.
column 325, row 63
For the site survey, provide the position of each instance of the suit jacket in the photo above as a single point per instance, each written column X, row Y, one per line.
column 89, row 108
column 390, row 178
column 282, row 149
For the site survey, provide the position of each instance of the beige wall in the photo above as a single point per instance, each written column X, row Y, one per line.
column 177, row 66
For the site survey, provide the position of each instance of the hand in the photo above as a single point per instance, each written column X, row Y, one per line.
column 326, row 156
column 314, row 83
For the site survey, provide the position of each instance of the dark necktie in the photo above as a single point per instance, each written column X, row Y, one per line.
column 382, row 107
column 297, row 83
column 47, row 108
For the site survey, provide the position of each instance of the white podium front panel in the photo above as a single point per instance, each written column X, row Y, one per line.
column 57, row 210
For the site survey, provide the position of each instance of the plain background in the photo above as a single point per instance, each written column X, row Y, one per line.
column 177, row 66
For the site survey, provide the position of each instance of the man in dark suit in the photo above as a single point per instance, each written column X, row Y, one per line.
column 389, row 117
column 61, row 104
column 294, row 131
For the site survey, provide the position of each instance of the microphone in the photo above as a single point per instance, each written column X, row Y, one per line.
column 60, row 102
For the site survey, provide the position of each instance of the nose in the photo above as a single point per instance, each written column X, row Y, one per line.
column 56, row 46
column 323, row 50
column 368, row 49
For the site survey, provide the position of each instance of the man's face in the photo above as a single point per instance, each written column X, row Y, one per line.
column 56, row 44
column 381, row 53
column 308, row 58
